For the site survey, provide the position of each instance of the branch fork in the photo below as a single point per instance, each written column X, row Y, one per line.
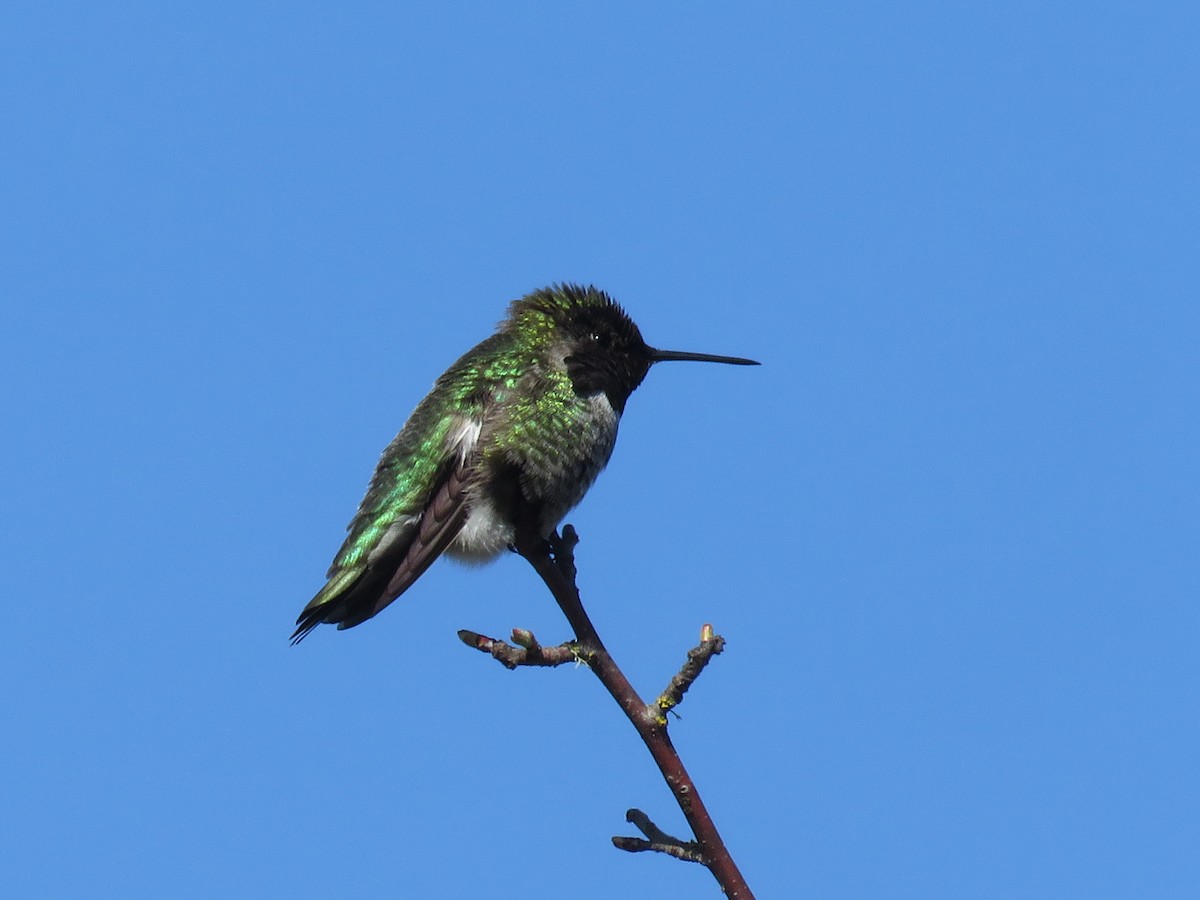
column 657, row 840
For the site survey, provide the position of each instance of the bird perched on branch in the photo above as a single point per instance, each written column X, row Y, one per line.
column 508, row 441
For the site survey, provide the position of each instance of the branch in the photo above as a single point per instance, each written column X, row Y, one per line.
column 659, row 841
column 528, row 651
column 698, row 658
column 554, row 561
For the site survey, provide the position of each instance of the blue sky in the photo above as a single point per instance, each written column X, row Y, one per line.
column 949, row 528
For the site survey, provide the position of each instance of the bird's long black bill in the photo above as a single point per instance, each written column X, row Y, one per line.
column 683, row 355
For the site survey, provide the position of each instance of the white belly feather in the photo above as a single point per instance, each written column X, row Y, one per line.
column 557, row 474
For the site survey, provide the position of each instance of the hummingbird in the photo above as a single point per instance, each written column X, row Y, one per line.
column 506, row 443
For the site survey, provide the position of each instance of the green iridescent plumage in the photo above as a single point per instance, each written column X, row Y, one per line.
column 508, row 441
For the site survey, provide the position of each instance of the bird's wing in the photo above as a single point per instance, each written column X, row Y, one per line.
column 417, row 501
column 414, row 508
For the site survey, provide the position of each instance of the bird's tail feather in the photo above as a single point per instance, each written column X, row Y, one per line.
column 334, row 601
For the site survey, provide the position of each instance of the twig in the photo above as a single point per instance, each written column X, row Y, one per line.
column 659, row 841
column 528, row 653
column 554, row 561
column 698, row 658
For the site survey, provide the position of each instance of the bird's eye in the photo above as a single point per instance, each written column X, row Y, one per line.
column 598, row 338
